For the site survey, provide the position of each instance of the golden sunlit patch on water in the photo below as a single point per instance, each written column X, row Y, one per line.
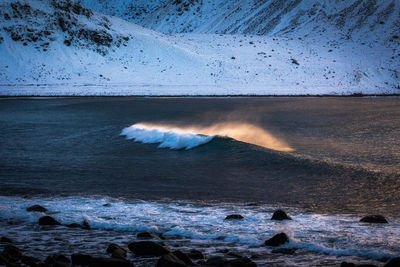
column 244, row 132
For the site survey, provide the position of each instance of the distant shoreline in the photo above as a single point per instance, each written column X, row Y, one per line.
column 200, row 96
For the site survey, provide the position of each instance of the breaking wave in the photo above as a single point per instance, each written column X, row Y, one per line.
column 174, row 137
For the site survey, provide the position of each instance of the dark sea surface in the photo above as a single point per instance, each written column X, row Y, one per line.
column 69, row 155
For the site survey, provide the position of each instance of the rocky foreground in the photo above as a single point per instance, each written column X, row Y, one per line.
column 150, row 253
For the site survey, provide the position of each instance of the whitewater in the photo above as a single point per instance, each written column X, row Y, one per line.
column 187, row 137
column 201, row 225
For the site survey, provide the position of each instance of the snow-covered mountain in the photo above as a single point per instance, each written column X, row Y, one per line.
column 353, row 18
column 96, row 47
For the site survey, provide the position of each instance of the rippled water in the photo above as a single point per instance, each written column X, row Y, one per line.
column 68, row 155
column 202, row 226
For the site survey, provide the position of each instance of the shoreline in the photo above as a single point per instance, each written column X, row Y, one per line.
column 49, row 242
column 203, row 96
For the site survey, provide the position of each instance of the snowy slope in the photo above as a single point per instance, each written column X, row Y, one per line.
column 52, row 42
column 353, row 18
column 268, row 47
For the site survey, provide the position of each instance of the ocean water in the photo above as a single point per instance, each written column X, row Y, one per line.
column 178, row 166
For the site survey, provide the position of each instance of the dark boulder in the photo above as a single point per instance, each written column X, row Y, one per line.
column 81, row 259
column 277, row 240
column 242, row 262
column 287, row 251
column 395, row 262
column 148, row 248
column 197, row 255
column 117, row 251
column 4, row 260
column 73, row 225
column 216, row 261
column 103, row 262
column 170, row 260
column 85, row 225
column 12, row 253
column 280, row 215
column 183, row 257
column 36, row 208
column 145, row 235
column 5, row 239
column 58, row 260
column 350, row 264
column 47, row 220
column 374, row 219
column 30, row 261
column 234, row 217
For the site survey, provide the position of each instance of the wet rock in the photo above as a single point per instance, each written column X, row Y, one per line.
column 4, row 239
column 395, row 262
column 286, row 251
column 47, row 220
column 117, row 251
column 12, row 253
column 234, row 217
column 255, row 256
column 148, row 248
column 242, row 262
column 277, row 240
column 183, row 257
column 170, row 260
column 58, row 260
column 85, row 225
column 81, row 259
column 73, row 225
column 30, row 261
column 103, row 262
column 197, row 255
column 201, row 263
column 3, row 260
column 350, row 264
column 280, row 215
column 107, row 205
column 216, row 261
column 374, row 219
column 145, row 235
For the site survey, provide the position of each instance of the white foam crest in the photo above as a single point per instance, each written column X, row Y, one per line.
column 187, row 137
column 168, row 138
